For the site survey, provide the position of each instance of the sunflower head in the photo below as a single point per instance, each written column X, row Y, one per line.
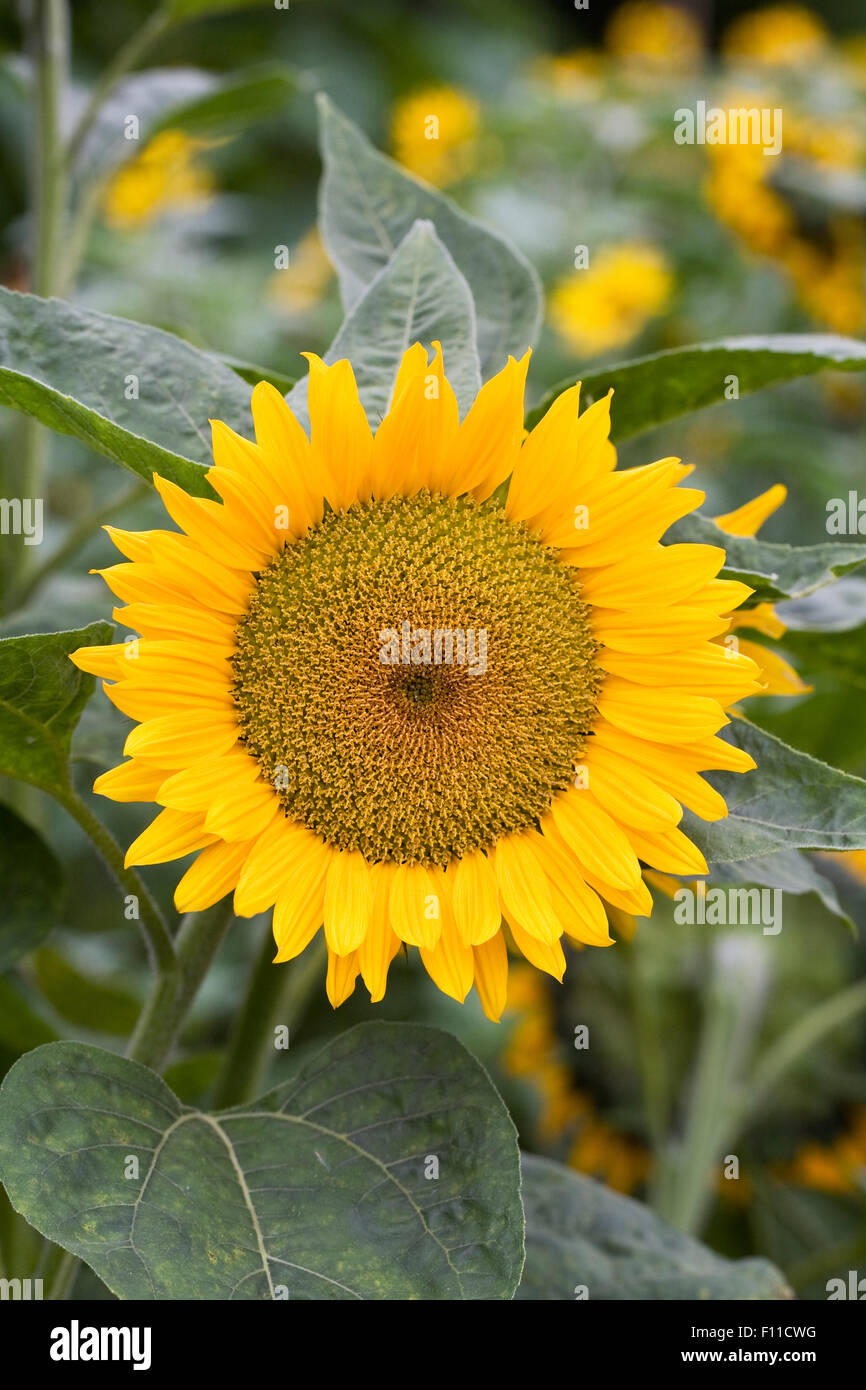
column 439, row 686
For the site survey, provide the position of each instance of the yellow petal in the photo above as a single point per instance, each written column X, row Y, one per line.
column 348, row 902
column 625, row 793
column 171, row 836
column 487, row 447
column 242, row 810
column 271, row 863
column 196, row 787
column 491, row 975
column 414, row 906
column 545, row 956
column 102, row 661
column 777, row 676
column 177, row 740
column 660, row 715
column 132, row 781
column 211, row 526
column 340, row 436
column 299, row 910
column 475, row 898
column 649, row 631
column 523, row 888
column 342, row 974
column 669, row 850
column 450, row 963
column 664, row 574
column 381, row 944
column 599, row 843
column 748, row 519
column 211, row 875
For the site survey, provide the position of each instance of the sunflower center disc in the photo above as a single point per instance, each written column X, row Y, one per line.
column 379, row 730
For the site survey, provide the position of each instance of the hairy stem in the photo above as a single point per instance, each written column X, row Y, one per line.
column 276, row 994
column 150, row 920
column 197, row 941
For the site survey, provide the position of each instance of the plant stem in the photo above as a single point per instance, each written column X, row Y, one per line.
column 126, row 58
column 646, row 1018
column 275, row 994
column 800, row 1038
column 732, row 1010
column 199, row 938
column 49, row 38
column 51, row 43
column 151, row 921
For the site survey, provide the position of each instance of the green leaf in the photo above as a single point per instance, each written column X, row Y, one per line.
column 790, row 870
column 72, row 368
column 181, row 10
column 789, row 801
column 650, row 390
column 580, row 1233
column 774, row 571
column 316, row 1191
column 837, row 608
column 32, row 882
column 41, row 698
column 368, row 204
column 420, row 295
column 82, row 1001
column 180, row 98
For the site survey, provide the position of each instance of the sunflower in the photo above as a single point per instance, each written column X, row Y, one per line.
column 436, row 803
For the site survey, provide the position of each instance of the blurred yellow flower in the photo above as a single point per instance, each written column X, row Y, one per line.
column 167, row 174
column 304, row 280
column 573, row 76
column 837, row 1168
column 534, row 1053
column 645, row 34
column 830, row 279
column 779, row 36
column 434, row 133
column 610, row 302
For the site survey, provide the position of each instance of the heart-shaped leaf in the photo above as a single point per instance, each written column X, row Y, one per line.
column 135, row 394
column 584, row 1241
column 368, row 204
column 650, row 390
column 789, row 801
column 418, row 297
column 42, row 696
column 386, row 1168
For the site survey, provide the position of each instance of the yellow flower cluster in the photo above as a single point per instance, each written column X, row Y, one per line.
column 779, row 36
column 534, row 1054
column 166, row 175
column 434, row 133
column 837, row 1167
column 609, row 303
column 828, row 276
column 643, row 34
